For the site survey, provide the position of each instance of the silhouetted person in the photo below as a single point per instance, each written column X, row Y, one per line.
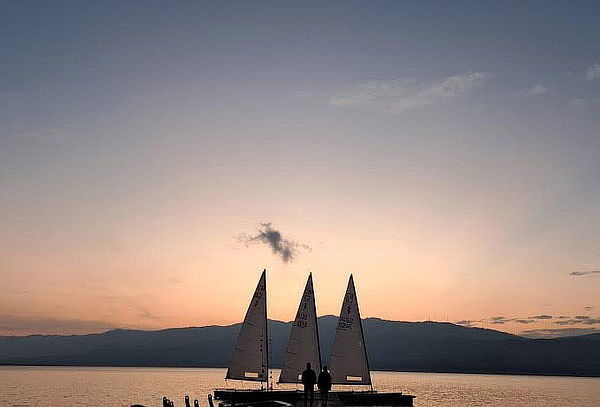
column 324, row 384
column 196, row 404
column 187, row 401
column 309, row 378
column 165, row 401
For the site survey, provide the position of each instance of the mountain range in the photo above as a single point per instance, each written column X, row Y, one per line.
column 391, row 345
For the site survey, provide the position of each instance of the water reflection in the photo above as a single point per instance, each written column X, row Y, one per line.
column 78, row 386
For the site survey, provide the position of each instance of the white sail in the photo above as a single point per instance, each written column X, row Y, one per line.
column 349, row 364
column 303, row 345
column 250, row 357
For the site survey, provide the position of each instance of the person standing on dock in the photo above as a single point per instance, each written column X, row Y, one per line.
column 324, row 384
column 309, row 378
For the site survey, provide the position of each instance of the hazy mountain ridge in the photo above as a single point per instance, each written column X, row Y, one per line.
column 392, row 345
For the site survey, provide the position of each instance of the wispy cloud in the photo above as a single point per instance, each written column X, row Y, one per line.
column 558, row 332
column 467, row 322
column 524, row 321
column 589, row 307
column 499, row 320
column 397, row 96
column 544, row 316
column 537, row 90
column 579, row 320
column 145, row 313
column 27, row 325
column 593, row 72
column 584, row 273
column 46, row 136
column 579, row 103
column 286, row 249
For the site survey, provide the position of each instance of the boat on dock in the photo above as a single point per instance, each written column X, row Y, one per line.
column 349, row 361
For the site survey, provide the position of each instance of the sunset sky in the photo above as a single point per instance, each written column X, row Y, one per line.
column 445, row 153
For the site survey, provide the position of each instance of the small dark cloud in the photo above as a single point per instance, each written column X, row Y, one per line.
column 558, row 332
column 584, row 273
column 286, row 249
column 524, row 321
column 544, row 316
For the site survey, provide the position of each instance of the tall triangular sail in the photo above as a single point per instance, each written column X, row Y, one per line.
column 250, row 357
column 349, row 363
column 303, row 345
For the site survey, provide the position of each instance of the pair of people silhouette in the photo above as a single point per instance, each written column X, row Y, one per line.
column 323, row 382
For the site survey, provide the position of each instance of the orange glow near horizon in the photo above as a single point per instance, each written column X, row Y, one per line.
column 173, row 287
column 192, row 271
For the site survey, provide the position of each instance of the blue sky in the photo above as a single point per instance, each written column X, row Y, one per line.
column 444, row 145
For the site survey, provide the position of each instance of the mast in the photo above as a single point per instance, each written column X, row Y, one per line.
column 362, row 334
column 266, row 331
column 317, row 327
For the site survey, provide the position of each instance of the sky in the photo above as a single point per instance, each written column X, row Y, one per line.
column 156, row 156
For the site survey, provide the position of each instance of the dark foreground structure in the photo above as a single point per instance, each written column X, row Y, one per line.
column 255, row 398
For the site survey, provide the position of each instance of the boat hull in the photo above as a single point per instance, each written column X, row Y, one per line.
column 369, row 398
column 231, row 396
column 336, row 398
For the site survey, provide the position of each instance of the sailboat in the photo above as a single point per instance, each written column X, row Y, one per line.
column 250, row 360
column 349, row 361
column 303, row 345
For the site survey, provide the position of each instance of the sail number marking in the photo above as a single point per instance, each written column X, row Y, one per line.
column 345, row 323
column 300, row 321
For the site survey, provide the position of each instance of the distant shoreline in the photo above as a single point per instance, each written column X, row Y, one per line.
column 393, row 346
column 487, row 373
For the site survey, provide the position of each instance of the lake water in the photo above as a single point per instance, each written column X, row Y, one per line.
column 83, row 386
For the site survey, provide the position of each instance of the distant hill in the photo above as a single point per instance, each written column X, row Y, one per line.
column 392, row 345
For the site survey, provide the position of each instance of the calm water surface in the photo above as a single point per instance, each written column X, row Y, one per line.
column 79, row 386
